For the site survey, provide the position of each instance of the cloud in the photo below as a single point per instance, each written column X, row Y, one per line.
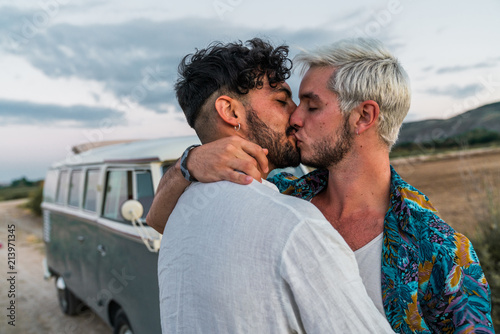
column 456, row 91
column 461, row 68
column 137, row 60
column 22, row 112
column 134, row 60
column 12, row 18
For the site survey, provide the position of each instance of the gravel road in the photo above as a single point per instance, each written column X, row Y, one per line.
column 36, row 306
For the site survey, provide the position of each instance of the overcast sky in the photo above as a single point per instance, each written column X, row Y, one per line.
column 75, row 71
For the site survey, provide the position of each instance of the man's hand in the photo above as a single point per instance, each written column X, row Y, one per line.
column 222, row 159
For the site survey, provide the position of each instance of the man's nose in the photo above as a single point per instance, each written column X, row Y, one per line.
column 295, row 119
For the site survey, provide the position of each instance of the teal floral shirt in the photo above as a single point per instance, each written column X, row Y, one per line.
column 432, row 281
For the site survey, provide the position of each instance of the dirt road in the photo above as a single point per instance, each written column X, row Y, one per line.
column 36, row 306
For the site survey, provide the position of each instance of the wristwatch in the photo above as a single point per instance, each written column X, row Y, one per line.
column 184, row 169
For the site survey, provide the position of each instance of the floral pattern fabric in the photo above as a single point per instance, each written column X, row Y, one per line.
column 432, row 281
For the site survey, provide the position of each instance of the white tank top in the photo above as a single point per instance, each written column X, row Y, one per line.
column 369, row 258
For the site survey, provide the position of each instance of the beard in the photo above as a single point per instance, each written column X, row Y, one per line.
column 328, row 152
column 282, row 153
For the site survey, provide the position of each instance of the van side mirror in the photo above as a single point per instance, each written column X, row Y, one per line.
column 132, row 210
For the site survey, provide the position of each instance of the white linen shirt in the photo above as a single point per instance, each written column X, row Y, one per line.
column 246, row 259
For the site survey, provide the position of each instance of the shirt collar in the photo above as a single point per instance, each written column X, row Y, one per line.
column 268, row 184
column 411, row 196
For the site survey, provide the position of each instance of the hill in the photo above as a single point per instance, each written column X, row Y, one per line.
column 485, row 118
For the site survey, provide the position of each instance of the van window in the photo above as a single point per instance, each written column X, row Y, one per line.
column 62, row 189
column 145, row 191
column 118, row 190
column 50, row 186
column 90, row 196
column 75, row 191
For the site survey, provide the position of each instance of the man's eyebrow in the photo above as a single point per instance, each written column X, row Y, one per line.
column 310, row 96
column 287, row 91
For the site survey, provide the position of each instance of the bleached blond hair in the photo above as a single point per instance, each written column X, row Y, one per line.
column 365, row 70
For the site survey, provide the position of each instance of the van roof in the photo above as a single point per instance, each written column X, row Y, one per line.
column 161, row 149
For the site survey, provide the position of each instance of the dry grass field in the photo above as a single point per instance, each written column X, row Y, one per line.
column 464, row 186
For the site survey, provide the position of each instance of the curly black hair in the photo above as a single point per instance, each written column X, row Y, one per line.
column 234, row 68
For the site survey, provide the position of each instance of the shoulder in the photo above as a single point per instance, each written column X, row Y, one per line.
column 414, row 216
column 284, row 224
column 256, row 199
column 436, row 239
column 267, row 192
column 450, row 258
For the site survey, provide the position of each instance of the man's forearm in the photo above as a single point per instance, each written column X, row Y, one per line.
column 171, row 187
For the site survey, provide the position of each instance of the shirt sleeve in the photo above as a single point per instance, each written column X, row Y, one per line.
column 323, row 286
column 458, row 294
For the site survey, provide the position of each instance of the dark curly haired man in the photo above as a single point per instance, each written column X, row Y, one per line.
column 246, row 259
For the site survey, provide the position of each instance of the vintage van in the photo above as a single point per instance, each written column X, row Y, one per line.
column 98, row 247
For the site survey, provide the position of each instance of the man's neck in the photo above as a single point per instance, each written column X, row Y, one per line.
column 357, row 197
column 265, row 175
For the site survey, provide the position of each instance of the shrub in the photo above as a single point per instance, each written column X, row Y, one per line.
column 475, row 137
column 11, row 193
column 35, row 200
column 487, row 246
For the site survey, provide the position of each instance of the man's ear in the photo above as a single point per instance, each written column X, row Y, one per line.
column 228, row 110
column 366, row 116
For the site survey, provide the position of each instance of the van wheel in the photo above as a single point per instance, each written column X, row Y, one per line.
column 68, row 302
column 122, row 326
